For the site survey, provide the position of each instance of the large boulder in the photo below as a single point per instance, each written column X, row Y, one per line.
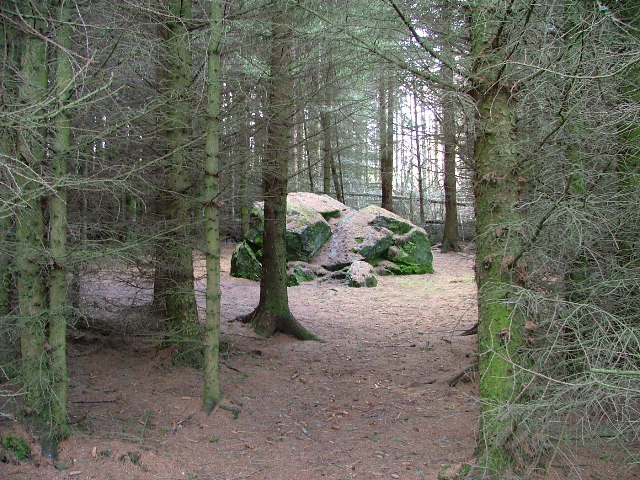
column 411, row 252
column 300, row 272
column 307, row 230
column 255, row 234
column 325, row 205
column 326, row 235
column 374, row 234
column 244, row 263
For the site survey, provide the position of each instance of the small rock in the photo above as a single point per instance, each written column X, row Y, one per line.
column 361, row 274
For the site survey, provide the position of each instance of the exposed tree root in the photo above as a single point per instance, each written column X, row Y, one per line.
column 266, row 323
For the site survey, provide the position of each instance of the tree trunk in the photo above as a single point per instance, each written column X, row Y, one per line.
column 629, row 164
column 386, row 144
column 30, row 225
column 173, row 289
column 419, row 166
column 8, row 150
column 338, row 179
column 501, row 328
column 58, row 427
column 131, row 217
column 245, row 169
column 451, row 237
column 308, row 151
column 272, row 313
column 211, row 338
column 327, row 153
column 6, row 265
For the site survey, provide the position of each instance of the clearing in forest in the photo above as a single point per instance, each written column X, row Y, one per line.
column 372, row 401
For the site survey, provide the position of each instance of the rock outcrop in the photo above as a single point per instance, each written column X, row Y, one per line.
column 374, row 234
column 244, row 263
column 307, row 229
column 324, row 235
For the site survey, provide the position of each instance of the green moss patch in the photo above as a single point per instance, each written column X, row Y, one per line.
column 374, row 247
column 16, row 445
column 297, row 276
column 244, row 263
column 412, row 254
column 399, row 227
column 302, row 245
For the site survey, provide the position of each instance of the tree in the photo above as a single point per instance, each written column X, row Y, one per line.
column 174, row 292
column 40, row 206
column 57, row 335
column 419, row 162
column 451, row 237
column 8, row 150
column 327, row 151
column 577, row 215
column 501, row 326
column 386, row 126
column 211, row 337
column 30, row 229
column 272, row 313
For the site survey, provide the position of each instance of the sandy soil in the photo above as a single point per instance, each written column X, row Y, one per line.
column 372, row 401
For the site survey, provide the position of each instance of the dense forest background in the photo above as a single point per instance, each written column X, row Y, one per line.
column 138, row 132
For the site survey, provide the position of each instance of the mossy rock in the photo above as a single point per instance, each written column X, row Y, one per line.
column 297, row 274
column 325, row 205
column 411, row 253
column 307, row 231
column 373, row 246
column 255, row 234
column 385, row 267
column 331, row 214
column 400, row 269
column 244, row 263
column 398, row 226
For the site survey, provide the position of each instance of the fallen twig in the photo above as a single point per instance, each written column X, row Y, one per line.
column 453, row 381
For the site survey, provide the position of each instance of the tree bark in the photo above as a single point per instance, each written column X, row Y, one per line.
column 338, row 178
column 386, row 144
column 30, row 224
column 6, row 265
column 245, row 201
column 272, row 313
column 501, row 327
column 308, row 151
column 451, row 236
column 419, row 165
column 327, row 152
column 307, row 147
column 8, row 150
column 211, row 338
column 173, row 283
column 58, row 427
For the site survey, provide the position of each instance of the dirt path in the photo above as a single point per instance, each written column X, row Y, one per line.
column 372, row 401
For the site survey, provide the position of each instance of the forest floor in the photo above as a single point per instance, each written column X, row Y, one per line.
column 371, row 401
